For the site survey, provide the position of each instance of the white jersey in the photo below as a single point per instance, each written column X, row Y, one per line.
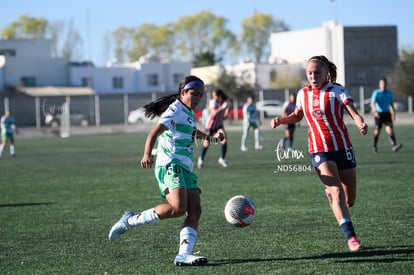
column 176, row 144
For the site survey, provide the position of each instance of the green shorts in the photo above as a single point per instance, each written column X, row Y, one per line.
column 253, row 124
column 7, row 135
column 175, row 176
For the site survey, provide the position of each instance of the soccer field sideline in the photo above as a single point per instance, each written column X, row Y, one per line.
column 32, row 132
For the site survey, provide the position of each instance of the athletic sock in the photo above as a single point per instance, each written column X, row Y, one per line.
column 188, row 237
column 392, row 140
column 1, row 149
column 145, row 217
column 347, row 228
column 376, row 140
column 223, row 150
column 290, row 142
column 203, row 152
column 12, row 150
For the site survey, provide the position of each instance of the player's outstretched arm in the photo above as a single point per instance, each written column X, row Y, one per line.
column 147, row 161
column 293, row 118
column 358, row 119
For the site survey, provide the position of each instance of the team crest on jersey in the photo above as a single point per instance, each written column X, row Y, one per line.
column 316, row 102
column 317, row 114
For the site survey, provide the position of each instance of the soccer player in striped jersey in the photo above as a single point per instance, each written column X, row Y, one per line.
column 176, row 131
column 322, row 103
column 219, row 110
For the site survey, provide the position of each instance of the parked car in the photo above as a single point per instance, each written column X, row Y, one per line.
column 76, row 118
column 138, row 116
column 270, row 108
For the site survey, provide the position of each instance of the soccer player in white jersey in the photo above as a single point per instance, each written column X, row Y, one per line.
column 250, row 121
column 7, row 126
column 176, row 131
column 322, row 103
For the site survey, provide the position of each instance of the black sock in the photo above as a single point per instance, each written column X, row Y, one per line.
column 376, row 140
column 223, row 150
column 348, row 229
column 392, row 140
column 203, row 152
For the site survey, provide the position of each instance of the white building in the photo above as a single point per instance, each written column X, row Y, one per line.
column 28, row 63
column 362, row 54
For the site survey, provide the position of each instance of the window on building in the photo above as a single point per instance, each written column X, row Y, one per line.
column 273, row 75
column 177, row 78
column 28, row 81
column 86, row 81
column 153, row 80
column 118, row 82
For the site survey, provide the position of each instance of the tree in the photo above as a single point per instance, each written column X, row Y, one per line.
column 403, row 73
column 26, row 27
column 203, row 33
column 205, row 59
column 70, row 49
column 122, row 39
column 141, row 37
column 256, row 33
column 55, row 30
column 233, row 86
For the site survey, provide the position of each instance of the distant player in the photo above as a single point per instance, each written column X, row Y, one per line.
column 250, row 121
column 175, row 131
column 322, row 103
column 218, row 111
column 288, row 108
column 383, row 108
column 8, row 127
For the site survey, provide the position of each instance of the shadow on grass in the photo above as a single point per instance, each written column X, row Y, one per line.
column 361, row 256
column 24, row 204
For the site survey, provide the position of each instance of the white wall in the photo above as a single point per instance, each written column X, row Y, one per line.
column 47, row 71
column 27, row 47
column 299, row 46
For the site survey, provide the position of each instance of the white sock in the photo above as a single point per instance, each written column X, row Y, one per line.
column 12, row 150
column 188, row 237
column 1, row 149
column 257, row 137
column 145, row 217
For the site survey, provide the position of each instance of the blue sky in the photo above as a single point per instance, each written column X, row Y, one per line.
column 94, row 18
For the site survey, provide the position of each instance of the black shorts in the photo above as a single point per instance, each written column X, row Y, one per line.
column 290, row 126
column 212, row 132
column 384, row 118
column 344, row 159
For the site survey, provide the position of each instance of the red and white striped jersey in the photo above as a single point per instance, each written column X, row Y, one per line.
column 216, row 122
column 324, row 110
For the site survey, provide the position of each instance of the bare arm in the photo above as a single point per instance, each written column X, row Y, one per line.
column 358, row 119
column 294, row 117
column 147, row 161
column 219, row 136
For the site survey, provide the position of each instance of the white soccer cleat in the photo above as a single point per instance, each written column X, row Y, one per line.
column 243, row 149
column 199, row 163
column 188, row 259
column 222, row 162
column 120, row 227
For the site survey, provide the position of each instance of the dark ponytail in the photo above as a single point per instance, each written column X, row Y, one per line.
column 325, row 61
column 158, row 106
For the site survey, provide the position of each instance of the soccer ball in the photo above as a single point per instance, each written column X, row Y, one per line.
column 240, row 211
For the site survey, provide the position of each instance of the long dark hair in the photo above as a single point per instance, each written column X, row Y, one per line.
column 325, row 61
column 158, row 106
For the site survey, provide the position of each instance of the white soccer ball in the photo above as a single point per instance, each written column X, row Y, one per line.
column 240, row 211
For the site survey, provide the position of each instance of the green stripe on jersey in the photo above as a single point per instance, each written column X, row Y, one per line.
column 183, row 128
